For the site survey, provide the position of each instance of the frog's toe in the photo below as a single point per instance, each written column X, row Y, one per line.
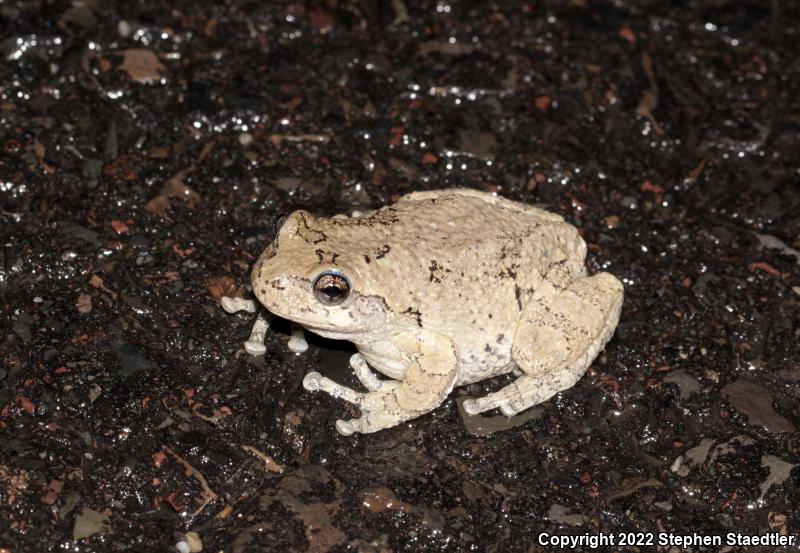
column 509, row 409
column 345, row 428
column 233, row 305
column 229, row 304
column 311, row 381
column 255, row 348
column 471, row 406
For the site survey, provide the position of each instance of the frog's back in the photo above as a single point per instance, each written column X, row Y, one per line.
column 460, row 262
column 466, row 209
column 458, row 239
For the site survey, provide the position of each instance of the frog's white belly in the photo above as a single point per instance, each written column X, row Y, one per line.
column 475, row 364
column 480, row 364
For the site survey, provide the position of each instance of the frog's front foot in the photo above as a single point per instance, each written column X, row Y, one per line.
column 428, row 379
column 314, row 381
column 255, row 344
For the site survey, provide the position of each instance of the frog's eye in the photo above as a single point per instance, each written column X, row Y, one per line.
column 331, row 288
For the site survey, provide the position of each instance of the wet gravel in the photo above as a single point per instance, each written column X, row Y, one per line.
column 146, row 151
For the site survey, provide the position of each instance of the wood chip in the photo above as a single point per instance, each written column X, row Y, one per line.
column 141, row 65
column 84, row 303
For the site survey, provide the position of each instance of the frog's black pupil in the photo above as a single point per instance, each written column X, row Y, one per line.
column 332, row 291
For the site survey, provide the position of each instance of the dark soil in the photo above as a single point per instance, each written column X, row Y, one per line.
column 146, row 150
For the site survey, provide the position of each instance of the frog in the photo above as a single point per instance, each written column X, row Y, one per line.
column 441, row 289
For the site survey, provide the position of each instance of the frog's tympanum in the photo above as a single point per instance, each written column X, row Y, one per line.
column 442, row 289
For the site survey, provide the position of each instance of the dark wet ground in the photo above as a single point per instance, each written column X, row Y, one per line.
column 145, row 152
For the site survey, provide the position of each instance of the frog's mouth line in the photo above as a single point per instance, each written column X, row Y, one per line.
column 327, row 328
column 313, row 324
column 331, row 332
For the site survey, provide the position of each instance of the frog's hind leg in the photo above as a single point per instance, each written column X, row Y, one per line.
column 503, row 397
column 556, row 341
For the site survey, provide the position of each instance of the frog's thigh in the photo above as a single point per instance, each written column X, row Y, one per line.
column 556, row 341
column 553, row 335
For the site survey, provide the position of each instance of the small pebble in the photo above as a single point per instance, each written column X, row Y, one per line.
column 190, row 542
column 138, row 241
column 195, row 543
column 124, row 28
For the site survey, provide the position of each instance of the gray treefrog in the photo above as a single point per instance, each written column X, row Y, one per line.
column 441, row 289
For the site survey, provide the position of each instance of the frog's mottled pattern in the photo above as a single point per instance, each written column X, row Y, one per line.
column 447, row 288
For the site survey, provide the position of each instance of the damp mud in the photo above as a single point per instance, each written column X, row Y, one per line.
column 147, row 150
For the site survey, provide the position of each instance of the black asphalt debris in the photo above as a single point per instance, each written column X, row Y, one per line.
column 147, row 148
